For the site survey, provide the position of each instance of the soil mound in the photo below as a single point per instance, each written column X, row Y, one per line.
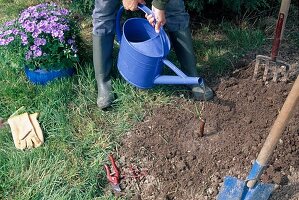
column 165, row 157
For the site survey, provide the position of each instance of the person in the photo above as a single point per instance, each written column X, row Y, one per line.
column 170, row 13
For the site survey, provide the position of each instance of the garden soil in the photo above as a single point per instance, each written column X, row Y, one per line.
column 165, row 157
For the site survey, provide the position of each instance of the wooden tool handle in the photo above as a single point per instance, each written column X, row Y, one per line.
column 280, row 123
column 284, row 9
column 278, row 127
column 279, row 29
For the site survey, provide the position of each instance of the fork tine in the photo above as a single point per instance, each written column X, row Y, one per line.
column 256, row 68
column 266, row 70
column 275, row 73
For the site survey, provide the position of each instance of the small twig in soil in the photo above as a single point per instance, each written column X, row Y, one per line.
column 199, row 112
column 202, row 123
column 163, row 138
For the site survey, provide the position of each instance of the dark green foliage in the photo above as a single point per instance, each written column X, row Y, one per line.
column 196, row 5
column 85, row 6
column 225, row 7
column 230, row 6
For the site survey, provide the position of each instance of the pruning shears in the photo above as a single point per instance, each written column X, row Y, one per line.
column 114, row 176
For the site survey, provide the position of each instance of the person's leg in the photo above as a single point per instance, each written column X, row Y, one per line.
column 103, row 37
column 177, row 24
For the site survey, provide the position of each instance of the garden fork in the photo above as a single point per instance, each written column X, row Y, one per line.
column 272, row 60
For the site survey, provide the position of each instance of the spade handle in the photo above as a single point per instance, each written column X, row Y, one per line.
column 278, row 127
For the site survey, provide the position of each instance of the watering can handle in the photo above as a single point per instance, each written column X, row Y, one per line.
column 142, row 7
column 146, row 10
column 163, row 35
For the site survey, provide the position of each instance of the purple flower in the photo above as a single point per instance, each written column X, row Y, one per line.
column 63, row 27
column 53, row 19
column 28, row 26
column 64, row 11
column 9, row 23
column 2, row 42
column 36, row 32
column 35, row 14
column 42, row 14
column 24, row 15
column 21, row 20
column 41, row 29
column 6, row 41
column 24, row 42
column 24, row 38
column 31, row 8
column 37, row 53
column 70, row 41
column 46, row 27
column 57, row 33
column 61, row 39
column 40, row 41
column 33, row 47
column 8, row 32
column 56, row 13
column 28, row 55
column 42, row 25
column 10, row 39
column 15, row 31
column 64, row 21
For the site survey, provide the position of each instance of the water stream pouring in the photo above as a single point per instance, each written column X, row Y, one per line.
column 143, row 53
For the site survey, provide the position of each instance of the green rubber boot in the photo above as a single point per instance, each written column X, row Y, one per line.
column 183, row 47
column 102, row 62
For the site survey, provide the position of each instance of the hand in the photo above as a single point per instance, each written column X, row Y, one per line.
column 132, row 4
column 159, row 16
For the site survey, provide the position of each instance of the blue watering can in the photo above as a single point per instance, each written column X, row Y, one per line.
column 143, row 53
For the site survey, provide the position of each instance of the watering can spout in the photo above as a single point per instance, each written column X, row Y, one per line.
column 178, row 80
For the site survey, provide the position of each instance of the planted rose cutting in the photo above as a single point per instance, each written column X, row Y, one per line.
column 45, row 35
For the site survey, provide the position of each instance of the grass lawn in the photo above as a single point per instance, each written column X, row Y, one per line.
column 78, row 136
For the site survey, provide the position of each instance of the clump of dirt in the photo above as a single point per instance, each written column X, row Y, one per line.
column 170, row 160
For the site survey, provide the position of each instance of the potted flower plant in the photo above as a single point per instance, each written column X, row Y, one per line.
column 45, row 35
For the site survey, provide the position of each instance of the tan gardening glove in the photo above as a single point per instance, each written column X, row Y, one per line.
column 26, row 131
column 37, row 128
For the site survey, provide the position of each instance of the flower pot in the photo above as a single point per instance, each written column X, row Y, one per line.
column 42, row 77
